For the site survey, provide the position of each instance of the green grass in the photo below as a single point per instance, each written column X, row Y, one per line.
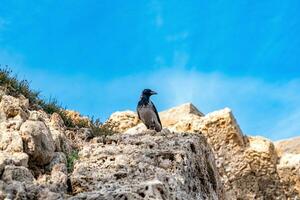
column 71, row 158
column 14, row 87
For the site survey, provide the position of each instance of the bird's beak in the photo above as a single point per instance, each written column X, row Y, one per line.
column 153, row 93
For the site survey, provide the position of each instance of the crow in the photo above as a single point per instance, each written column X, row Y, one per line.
column 147, row 111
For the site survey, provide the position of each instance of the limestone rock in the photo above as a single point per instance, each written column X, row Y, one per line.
column 38, row 115
column 18, row 159
column 137, row 129
column 57, row 130
column 289, row 162
column 177, row 114
column 27, row 191
column 122, row 121
column 247, row 165
column 58, row 158
column 148, row 165
column 13, row 190
column 38, row 142
column 16, row 173
column 10, row 141
column 56, row 181
column 13, row 107
column 291, row 146
column 289, row 171
column 57, row 176
column 77, row 119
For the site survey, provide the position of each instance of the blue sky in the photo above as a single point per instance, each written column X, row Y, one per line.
column 96, row 56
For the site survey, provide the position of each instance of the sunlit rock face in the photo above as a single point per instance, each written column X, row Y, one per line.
column 148, row 165
column 122, row 121
column 250, row 167
column 289, row 161
column 35, row 149
column 196, row 156
column 30, row 143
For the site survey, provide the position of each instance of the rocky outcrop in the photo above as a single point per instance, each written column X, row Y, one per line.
column 147, row 165
column 77, row 119
column 250, row 167
column 196, row 156
column 183, row 112
column 28, row 152
column 122, row 121
column 289, row 161
column 36, row 148
column 290, row 146
column 38, row 142
column 247, row 165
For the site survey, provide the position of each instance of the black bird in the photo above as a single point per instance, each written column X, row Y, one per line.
column 147, row 111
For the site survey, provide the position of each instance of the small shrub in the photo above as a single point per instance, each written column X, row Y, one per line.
column 14, row 87
column 100, row 129
column 71, row 158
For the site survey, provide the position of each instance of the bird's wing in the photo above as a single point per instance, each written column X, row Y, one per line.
column 156, row 113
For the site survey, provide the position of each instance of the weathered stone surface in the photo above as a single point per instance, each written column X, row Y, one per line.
column 141, row 164
column 76, row 118
column 177, row 114
column 10, row 141
column 18, row 159
column 38, row 142
column 148, row 165
column 122, row 121
column 291, row 146
column 16, row 173
column 13, row 190
column 56, row 181
column 58, row 158
column 13, row 107
column 57, row 130
column 38, row 115
column 27, row 191
column 289, row 162
column 289, row 172
column 247, row 165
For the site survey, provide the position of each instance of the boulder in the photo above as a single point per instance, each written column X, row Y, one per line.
column 291, row 146
column 122, row 121
column 18, row 159
column 147, row 165
column 38, row 142
column 77, row 119
column 27, row 191
column 247, row 165
column 13, row 107
column 177, row 114
column 17, row 173
column 10, row 141
column 289, row 162
column 57, row 130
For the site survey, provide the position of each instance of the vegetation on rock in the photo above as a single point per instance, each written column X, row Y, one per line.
column 71, row 158
column 15, row 87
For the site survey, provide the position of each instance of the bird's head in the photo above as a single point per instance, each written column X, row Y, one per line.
column 148, row 93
